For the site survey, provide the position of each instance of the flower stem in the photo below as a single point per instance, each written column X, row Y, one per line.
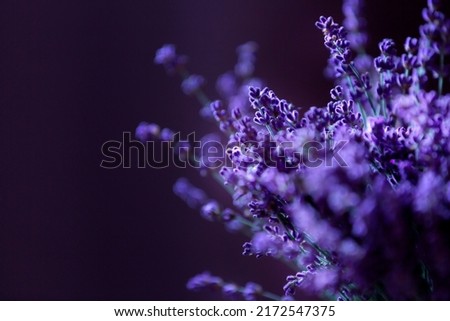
column 366, row 92
column 361, row 107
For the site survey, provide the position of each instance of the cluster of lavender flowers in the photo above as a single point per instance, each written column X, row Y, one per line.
column 375, row 225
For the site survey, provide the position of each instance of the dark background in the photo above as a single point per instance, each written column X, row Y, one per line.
column 76, row 74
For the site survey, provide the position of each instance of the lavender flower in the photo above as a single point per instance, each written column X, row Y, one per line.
column 251, row 291
column 246, row 59
column 355, row 24
column 204, row 280
column 146, row 131
column 192, row 84
column 372, row 223
column 168, row 57
column 192, row 195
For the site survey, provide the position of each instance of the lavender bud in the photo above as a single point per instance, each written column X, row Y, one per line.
column 192, row 84
column 411, row 45
column 166, row 55
column 203, row 281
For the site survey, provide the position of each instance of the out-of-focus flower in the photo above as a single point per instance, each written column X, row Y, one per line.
column 353, row 196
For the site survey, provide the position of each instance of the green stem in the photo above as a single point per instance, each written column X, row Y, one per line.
column 441, row 73
column 383, row 98
column 325, row 255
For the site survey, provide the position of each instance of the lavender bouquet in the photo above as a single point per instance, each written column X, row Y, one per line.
column 354, row 196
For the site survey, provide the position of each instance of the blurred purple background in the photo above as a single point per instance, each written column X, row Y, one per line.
column 75, row 74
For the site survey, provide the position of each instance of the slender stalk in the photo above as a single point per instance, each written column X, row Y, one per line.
column 441, row 73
